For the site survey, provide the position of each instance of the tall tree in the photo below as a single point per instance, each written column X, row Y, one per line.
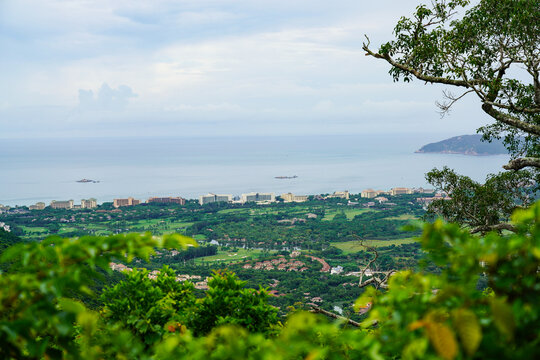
column 490, row 49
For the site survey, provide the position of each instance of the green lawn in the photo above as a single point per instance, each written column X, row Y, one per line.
column 66, row 229
column 228, row 211
column 402, row 217
column 349, row 213
column 229, row 256
column 349, row 247
column 34, row 230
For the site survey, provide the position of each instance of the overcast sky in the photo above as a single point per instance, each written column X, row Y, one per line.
column 197, row 67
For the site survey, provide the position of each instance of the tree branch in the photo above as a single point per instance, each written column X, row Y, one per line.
column 510, row 120
column 316, row 309
column 498, row 227
column 512, row 107
column 518, row 164
column 444, row 106
column 418, row 74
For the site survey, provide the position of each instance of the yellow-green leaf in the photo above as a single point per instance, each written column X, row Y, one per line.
column 503, row 317
column 70, row 305
column 443, row 340
column 536, row 252
column 468, row 329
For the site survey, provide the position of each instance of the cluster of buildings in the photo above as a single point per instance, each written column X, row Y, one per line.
column 278, row 264
column 68, row 204
column 372, row 194
column 425, row 201
column 263, row 198
column 196, row 279
column 153, row 200
column 259, row 198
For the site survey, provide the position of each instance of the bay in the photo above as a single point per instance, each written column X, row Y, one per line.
column 34, row 170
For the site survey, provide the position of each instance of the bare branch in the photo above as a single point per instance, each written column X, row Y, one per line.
column 445, row 106
column 316, row 309
column 366, row 283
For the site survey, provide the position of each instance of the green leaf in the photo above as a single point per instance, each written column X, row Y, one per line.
column 71, row 305
column 503, row 317
column 443, row 339
column 468, row 329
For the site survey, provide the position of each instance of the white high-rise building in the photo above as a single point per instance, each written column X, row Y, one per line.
column 258, row 197
column 210, row 198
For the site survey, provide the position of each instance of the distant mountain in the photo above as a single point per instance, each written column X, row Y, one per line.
column 465, row 144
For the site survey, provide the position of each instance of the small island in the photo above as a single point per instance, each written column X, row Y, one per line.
column 465, row 145
column 88, row 181
column 285, row 177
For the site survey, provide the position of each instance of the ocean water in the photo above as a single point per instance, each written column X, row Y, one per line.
column 48, row 169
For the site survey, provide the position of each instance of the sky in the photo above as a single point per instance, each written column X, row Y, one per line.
column 108, row 68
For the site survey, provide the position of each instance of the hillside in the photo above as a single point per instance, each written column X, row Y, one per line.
column 465, row 144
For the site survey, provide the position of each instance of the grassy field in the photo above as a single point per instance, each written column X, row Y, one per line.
column 34, row 230
column 349, row 247
column 229, row 256
column 402, row 217
column 349, row 213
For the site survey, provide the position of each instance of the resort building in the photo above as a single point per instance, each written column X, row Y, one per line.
column 88, row 203
column 370, row 193
column 62, row 204
column 423, row 191
column 211, row 198
column 167, row 200
column 289, row 197
column 428, row 200
column 125, row 202
column 400, row 191
column 340, row 194
column 258, row 197
column 37, row 206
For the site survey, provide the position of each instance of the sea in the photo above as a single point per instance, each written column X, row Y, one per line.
column 33, row 170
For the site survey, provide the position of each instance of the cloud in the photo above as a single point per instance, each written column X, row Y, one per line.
column 107, row 98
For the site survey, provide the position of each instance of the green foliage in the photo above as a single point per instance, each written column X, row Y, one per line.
column 489, row 48
column 36, row 318
column 482, row 207
column 228, row 302
column 420, row 315
column 149, row 307
column 448, row 312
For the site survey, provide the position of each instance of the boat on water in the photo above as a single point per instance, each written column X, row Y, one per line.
column 285, row 177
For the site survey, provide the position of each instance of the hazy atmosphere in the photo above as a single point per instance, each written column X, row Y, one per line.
column 209, row 68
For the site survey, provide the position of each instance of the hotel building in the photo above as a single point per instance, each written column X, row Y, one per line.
column 62, row 204
column 400, row 191
column 125, row 202
column 88, row 203
column 167, row 200
column 211, row 198
column 258, row 197
column 289, row 197
column 340, row 194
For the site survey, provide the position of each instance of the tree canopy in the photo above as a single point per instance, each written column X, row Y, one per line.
column 490, row 49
